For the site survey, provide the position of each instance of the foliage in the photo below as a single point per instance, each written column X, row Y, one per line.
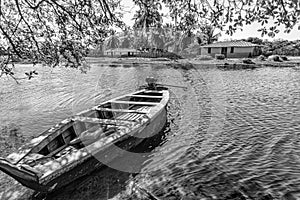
column 112, row 42
column 281, row 47
column 261, row 58
column 157, row 38
column 230, row 15
column 10, row 139
column 207, row 34
column 126, row 39
column 204, row 57
column 140, row 39
column 97, row 51
column 277, row 47
column 275, row 58
column 53, row 32
column 62, row 31
column 254, row 40
column 220, row 56
column 148, row 14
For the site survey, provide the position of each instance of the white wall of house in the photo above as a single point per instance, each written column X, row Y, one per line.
column 237, row 51
column 119, row 53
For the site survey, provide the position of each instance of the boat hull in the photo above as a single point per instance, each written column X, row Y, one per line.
column 92, row 139
column 108, row 156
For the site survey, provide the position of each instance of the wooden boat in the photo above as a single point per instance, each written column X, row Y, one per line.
column 68, row 150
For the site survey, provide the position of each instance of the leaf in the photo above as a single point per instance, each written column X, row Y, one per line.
column 271, row 34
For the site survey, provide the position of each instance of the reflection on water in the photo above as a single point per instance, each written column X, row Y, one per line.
column 232, row 134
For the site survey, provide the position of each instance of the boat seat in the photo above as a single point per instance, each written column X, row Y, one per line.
column 35, row 156
column 67, row 150
column 91, row 135
column 136, row 103
column 33, row 159
column 120, row 110
column 101, row 121
column 145, row 96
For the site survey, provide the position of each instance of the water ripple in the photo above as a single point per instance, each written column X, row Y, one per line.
column 233, row 134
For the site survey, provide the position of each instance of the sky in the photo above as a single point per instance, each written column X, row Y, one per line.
column 248, row 31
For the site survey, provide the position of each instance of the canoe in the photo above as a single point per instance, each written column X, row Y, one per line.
column 92, row 138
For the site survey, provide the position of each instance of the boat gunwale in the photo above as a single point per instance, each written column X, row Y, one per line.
column 58, row 128
column 136, row 129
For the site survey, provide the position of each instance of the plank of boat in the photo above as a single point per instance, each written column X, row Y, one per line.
column 136, row 103
column 121, row 110
column 145, row 96
column 135, row 116
column 114, row 122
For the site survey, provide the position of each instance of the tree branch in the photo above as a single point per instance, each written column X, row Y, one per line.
column 68, row 13
column 36, row 6
column 29, row 27
column 11, row 42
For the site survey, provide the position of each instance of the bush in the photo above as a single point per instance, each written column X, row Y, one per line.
column 261, row 58
column 248, row 61
column 284, row 58
column 11, row 139
column 204, row 57
column 187, row 66
column 220, row 56
column 169, row 55
column 275, row 58
column 267, row 53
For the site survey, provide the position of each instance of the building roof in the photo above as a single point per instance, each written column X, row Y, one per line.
column 121, row 50
column 231, row 44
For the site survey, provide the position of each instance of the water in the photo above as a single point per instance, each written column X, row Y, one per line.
column 231, row 135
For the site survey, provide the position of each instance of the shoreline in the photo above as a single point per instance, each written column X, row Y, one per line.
column 231, row 63
column 227, row 63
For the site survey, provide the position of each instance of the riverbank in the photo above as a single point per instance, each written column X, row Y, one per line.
column 230, row 63
column 226, row 63
column 232, row 134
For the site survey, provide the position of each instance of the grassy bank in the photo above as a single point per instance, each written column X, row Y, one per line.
column 187, row 63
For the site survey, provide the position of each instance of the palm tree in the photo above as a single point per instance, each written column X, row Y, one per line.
column 148, row 16
column 207, row 34
column 126, row 39
column 112, row 42
column 157, row 38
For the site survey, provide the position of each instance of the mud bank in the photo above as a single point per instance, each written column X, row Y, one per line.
column 187, row 63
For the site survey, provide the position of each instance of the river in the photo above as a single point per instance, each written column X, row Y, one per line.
column 232, row 134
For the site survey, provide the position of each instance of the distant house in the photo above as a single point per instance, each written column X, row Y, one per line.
column 121, row 52
column 232, row 49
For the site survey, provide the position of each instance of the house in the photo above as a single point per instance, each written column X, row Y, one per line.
column 118, row 52
column 232, row 49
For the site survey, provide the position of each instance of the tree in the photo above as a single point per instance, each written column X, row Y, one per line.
column 112, row 42
column 53, row 31
column 157, row 38
column 230, row 15
column 140, row 40
column 207, row 34
column 254, row 40
column 126, row 39
column 148, row 14
column 61, row 31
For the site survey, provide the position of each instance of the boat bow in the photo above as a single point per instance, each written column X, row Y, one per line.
column 23, row 174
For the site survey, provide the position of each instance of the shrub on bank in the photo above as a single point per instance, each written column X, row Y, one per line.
column 220, row 56
column 204, row 57
column 248, row 61
column 275, row 58
column 261, row 58
column 10, row 139
column 169, row 55
column 284, row 58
